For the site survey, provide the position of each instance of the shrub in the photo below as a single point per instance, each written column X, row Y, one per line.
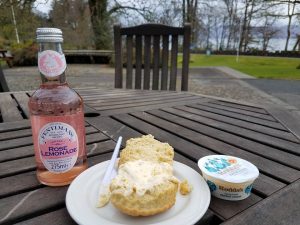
column 25, row 54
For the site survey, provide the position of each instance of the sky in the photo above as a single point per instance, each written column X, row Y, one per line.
column 43, row 5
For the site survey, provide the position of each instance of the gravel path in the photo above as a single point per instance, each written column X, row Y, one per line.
column 215, row 81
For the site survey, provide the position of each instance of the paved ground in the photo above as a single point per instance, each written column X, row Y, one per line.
column 215, row 81
column 286, row 90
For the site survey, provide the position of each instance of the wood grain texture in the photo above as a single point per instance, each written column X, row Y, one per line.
column 156, row 62
column 240, row 123
column 118, row 57
column 165, row 63
column 9, row 109
column 195, row 126
column 282, row 208
column 241, row 111
column 37, row 201
column 239, row 116
column 289, row 120
column 22, row 100
column 24, row 141
column 144, row 34
column 240, row 106
column 16, row 125
column 24, row 181
column 277, row 170
column 147, row 62
column 129, row 59
column 151, row 29
column 138, row 62
column 246, row 139
column 173, row 69
column 186, row 58
column 57, row 217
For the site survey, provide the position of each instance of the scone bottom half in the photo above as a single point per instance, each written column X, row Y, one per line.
column 149, row 204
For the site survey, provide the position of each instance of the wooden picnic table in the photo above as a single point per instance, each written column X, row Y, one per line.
column 194, row 125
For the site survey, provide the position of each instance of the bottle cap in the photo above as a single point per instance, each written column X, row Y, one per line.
column 49, row 34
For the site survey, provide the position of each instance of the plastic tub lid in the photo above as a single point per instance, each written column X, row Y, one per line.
column 228, row 168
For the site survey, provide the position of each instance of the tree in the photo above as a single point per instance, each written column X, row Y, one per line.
column 102, row 14
column 267, row 31
column 231, row 9
column 292, row 10
column 189, row 15
column 73, row 17
column 25, row 26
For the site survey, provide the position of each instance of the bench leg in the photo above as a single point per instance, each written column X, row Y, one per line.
column 3, row 84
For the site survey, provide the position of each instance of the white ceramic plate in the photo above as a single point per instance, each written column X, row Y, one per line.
column 82, row 197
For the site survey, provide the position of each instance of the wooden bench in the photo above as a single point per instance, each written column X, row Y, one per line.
column 88, row 56
column 151, row 41
column 6, row 56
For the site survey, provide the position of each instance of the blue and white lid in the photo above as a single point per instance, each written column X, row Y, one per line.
column 228, row 168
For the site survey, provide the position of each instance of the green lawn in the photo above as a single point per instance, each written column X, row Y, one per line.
column 260, row 67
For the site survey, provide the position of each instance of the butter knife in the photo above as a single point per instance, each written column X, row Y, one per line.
column 110, row 173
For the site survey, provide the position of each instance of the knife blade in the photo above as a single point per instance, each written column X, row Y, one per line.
column 110, row 173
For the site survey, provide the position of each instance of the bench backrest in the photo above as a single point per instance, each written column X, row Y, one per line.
column 146, row 41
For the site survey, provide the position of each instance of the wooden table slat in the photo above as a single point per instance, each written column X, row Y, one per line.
column 57, row 217
column 250, row 119
column 237, row 136
column 16, row 125
column 26, row 164
column 137, row 100
column 269, row 167
column 39, row 200
column 27, row 132
column 240, row 106
column 194, row 125
column 27, row 180
column 9, row 108
column 22, row 99
column 148, row 106
column 268, row 211
column 241, row 111
column 240, row 123
column 24, row 141
column 128, row 95
column 142, row 103
column 114, row 129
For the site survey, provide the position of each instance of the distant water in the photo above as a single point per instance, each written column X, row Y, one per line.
column 277, row 45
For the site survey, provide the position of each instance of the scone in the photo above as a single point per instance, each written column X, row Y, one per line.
column 144, row 188
column 146, row 148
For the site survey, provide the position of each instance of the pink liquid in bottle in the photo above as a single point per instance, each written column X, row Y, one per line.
column 57, row 117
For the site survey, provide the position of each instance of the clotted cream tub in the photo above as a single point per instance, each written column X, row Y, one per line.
column 228, row 177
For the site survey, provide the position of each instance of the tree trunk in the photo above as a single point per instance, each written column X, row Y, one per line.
column 288, row 34
column 243, row 33
column 183, row 13
column 223, row 34
column 248, row 27
column 100, row 24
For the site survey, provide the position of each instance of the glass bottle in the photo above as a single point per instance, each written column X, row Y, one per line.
column 57, row 116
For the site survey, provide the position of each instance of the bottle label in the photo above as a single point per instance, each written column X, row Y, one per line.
column 58, row 146
column 51, row 63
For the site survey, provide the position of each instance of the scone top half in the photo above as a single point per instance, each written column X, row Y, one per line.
column 148, row 149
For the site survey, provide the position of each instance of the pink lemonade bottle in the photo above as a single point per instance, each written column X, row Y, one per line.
column 57, row 116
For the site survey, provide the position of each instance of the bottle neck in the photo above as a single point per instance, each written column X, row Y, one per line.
column 57, row 79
